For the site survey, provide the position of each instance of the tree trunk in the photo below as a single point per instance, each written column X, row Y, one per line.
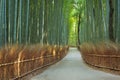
column 111, row 14
column 79, row 30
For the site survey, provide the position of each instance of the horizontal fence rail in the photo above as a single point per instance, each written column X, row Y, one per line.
column 34, row 70
column 22, row 61
column 105, row 56
column 26, row 64
column 111, row 56
column 100, row 62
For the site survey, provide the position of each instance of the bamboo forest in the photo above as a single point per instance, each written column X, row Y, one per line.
column 59, row 39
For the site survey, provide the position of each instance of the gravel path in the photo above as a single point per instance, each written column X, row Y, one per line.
column 73, row 68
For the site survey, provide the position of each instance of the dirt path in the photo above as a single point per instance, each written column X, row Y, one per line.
column 73, row 68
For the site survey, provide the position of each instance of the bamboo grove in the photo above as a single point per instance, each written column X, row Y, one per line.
column 99, row 21
column 51, row 21
column 94, row 21
column 42, row 26
column 33, row 21
column 98, row 33
column 33, row 35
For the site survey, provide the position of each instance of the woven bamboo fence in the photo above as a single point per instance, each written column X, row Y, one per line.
column 102, row 55
column 17, row 61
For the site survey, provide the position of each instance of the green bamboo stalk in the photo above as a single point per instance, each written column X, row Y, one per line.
column 15, row 21
column 27, row 21
column 20, row 21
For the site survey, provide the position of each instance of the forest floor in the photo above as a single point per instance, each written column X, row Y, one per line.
column 72, row 67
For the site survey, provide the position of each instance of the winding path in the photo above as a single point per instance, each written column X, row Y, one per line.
column 73, row 68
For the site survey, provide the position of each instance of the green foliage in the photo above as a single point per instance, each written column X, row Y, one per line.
column 34, row 21
column 93, row 21
column 58, row 22
column 76, row 20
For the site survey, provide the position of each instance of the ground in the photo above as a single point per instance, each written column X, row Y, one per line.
column 73, row 68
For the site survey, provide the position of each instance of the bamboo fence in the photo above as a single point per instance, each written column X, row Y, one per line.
column 104, row 55
column 18, row 61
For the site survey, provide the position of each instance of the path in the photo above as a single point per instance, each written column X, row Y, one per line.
column 73, row 68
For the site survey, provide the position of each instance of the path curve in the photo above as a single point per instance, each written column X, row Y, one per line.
column 73, row 68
